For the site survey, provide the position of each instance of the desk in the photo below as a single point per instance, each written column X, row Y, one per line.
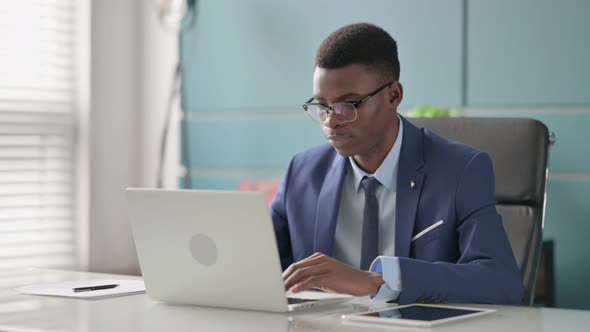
column 20, row 312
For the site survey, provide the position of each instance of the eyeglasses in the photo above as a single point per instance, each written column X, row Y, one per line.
column 345, row 111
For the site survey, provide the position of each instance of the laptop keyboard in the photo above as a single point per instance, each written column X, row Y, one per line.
column 293, row 300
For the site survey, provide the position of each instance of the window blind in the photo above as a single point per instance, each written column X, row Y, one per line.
column 37, row 72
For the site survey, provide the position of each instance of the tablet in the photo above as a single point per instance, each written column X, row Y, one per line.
column 418, row 315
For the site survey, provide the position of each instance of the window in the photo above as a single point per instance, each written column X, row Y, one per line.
column 37, row 126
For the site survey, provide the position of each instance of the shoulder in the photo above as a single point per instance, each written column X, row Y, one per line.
column 313, row 158
column 312, row 166
column 453, row 164
column 439, row 151
column 309, row 169
column 434, row 150
column 444, row 159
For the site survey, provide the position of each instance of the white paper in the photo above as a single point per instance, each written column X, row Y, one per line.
column 66, row 289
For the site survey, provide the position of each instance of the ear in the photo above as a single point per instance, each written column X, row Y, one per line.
column 396, row 94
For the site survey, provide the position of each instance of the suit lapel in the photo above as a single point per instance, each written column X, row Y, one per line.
column 411, row 161
column 328, row 206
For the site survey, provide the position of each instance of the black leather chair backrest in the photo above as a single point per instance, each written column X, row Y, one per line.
column 519, row 152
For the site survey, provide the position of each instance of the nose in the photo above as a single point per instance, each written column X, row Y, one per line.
column 332, row 121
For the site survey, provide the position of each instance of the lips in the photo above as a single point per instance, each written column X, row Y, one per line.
column 337, row 137
column 338, row 140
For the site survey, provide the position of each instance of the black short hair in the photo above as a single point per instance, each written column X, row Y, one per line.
column 360, row 43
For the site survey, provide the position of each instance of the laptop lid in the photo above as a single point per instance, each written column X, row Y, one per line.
column 214, row 248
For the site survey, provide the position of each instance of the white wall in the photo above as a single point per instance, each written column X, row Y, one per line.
column 130, row 71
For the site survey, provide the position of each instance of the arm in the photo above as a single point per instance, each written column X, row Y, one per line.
column 278, row 212
column 392, row 284
column 486, row 271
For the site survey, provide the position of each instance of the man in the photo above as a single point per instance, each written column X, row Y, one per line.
column 387, row 209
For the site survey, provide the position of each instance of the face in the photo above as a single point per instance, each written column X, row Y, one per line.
column 373, row 132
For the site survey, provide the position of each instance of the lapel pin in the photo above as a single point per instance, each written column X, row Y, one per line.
column 412, row 184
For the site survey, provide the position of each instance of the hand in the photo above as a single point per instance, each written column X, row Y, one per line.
column 328, row 274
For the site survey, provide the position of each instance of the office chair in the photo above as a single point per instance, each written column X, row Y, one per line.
column 519, row 151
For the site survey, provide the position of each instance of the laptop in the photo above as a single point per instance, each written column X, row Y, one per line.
column 212, row 248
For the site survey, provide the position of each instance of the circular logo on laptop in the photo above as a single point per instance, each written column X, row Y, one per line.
column 203, row 249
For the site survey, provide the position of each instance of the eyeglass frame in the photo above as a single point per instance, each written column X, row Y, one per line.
column 355, row 104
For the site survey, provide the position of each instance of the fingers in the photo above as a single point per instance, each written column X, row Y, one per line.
column 305, row 272
column 326, row 273
column 314, row 281
column 308, row 261
column 353, row 282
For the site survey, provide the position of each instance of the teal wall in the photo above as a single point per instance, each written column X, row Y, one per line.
column 530, row 58
column 248, row 67
column 528, row 52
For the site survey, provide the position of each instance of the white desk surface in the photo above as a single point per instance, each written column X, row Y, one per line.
column 20, row 312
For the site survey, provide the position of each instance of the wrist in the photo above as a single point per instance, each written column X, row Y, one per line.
column 376, row 280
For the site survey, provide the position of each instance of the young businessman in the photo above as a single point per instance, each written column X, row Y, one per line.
column 387, row 209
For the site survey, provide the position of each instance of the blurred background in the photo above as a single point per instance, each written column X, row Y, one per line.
column 100, row 95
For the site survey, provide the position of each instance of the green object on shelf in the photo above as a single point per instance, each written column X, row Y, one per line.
column 429, row 111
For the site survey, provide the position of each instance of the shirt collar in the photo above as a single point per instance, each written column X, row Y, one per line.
column 387, row 171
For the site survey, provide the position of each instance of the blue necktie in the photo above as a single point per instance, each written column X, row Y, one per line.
column 370, row 244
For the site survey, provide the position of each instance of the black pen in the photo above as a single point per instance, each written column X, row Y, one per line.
column 92, row 288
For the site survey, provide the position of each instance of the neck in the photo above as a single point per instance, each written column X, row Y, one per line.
column 372, row 159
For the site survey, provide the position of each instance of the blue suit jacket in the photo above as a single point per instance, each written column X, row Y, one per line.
column 466, row 259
